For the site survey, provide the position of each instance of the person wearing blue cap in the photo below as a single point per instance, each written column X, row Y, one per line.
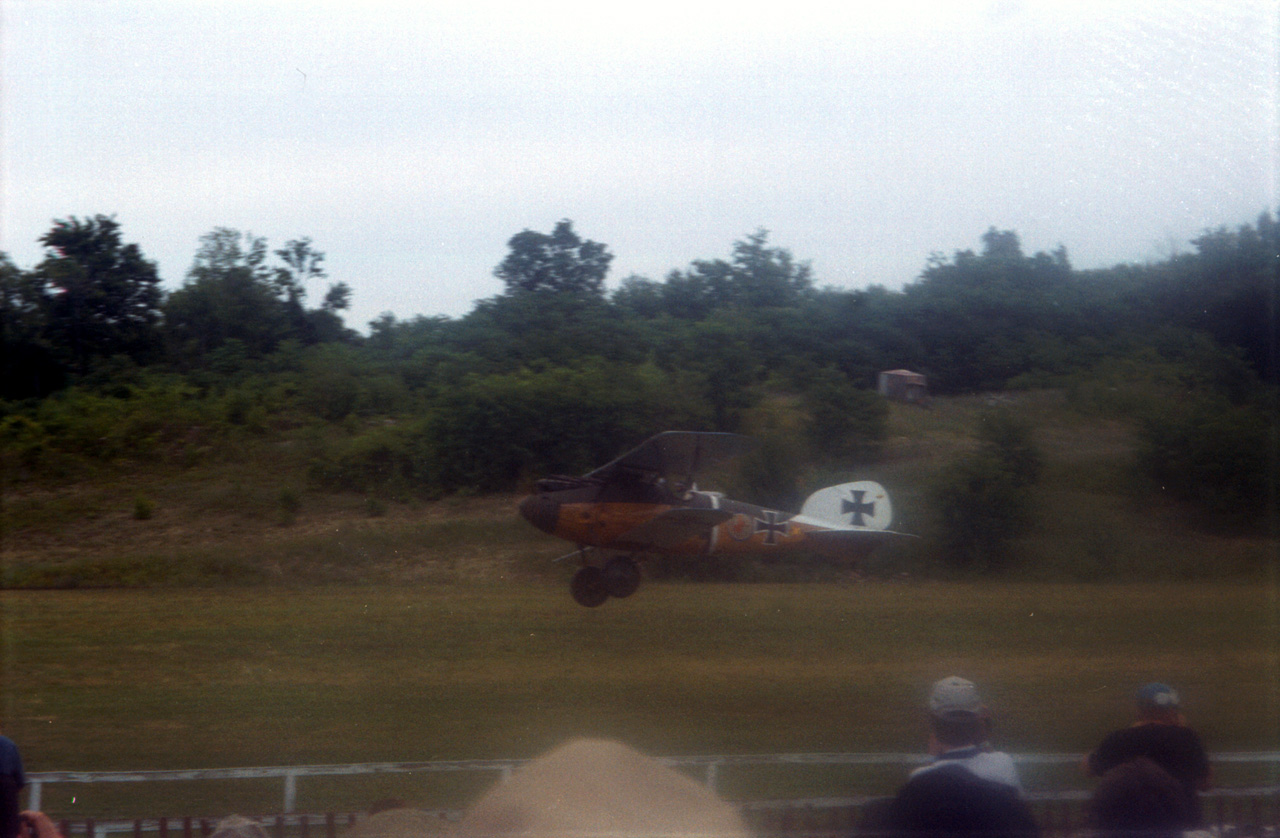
column 1160, row 735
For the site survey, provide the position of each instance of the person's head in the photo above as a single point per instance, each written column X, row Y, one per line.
column 957, row 716
column 1139, row 798
column 1158, row 702
column 237, row 826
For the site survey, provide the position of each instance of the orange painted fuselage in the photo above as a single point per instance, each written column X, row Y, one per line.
column 750, row 529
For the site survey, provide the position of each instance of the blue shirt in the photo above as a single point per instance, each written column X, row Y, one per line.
column 11, row 762
column 11, row 782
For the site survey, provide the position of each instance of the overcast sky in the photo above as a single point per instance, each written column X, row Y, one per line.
column 411, row 140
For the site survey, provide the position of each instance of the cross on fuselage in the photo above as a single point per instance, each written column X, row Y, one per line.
column 771, row 527
column 858, row 507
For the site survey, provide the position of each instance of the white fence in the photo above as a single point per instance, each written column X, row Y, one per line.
column 711, row 766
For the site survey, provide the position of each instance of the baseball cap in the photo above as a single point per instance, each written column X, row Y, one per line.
column 1160, row 696
column 954, row 697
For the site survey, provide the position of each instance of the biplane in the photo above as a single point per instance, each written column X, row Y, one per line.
column 646, row 502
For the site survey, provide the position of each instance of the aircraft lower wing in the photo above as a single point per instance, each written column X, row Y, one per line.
column 849, row 542
column 675, row 526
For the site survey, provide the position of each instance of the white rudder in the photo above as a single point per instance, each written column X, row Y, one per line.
column 863, row 504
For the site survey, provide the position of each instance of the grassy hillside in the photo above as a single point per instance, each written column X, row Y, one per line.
column 244, row 514
column 256, row 621
column 234, row 677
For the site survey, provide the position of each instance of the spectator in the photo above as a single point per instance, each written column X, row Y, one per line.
column 11, row 782
column 237, row 826
column 394, row 818
column 1138, row 799
column 1160, row 735
column 968, row 788
column 37, row 825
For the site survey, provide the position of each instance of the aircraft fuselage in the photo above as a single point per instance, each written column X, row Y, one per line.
column 601, row 516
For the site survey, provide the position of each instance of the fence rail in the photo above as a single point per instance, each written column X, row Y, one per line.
column 1241, row 813
column 1057, row 810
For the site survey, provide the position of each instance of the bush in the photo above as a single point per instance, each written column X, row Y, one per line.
column 388, row 460
column 289, row 503
column 846, row 424
column 770, row 472
column 1211, row 454
column 143, row 509
column 1009, row 439
column 980, row 507
column 982, row 500
column 23, row 442
column 496, row 431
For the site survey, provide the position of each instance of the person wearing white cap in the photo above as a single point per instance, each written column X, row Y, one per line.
column 959, row 730
column 967, row 788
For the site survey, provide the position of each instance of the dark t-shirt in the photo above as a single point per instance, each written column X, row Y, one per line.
column 11, row 782
column 952, row 801
column 1174, row 748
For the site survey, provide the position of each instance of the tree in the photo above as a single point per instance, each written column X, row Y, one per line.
column 28, row 364
column 302, row 263
column 232, row 294
column 103, row 296
column 982, row 319
column 768, row 276
column 1001, row 244
column 756, row 276
column 559, row 262
column 639, row 296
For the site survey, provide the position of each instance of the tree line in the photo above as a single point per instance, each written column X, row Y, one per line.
column 96, row 299
column 559, row 372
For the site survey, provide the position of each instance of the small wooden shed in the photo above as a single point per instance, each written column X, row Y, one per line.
column 904, row 386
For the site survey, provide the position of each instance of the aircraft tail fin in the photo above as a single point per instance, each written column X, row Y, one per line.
column 862, row 504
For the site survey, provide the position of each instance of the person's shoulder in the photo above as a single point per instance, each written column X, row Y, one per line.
column 951, row 798
column 1180, row 735
column 998, row 767
column 953, row 780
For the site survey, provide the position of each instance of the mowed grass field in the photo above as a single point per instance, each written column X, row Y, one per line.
column 154, row 679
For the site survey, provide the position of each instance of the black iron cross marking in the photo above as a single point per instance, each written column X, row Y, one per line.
column 858, row 507
column 771, row 527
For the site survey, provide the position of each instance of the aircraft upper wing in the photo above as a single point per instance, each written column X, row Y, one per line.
column 675, row 526
column 676, row 453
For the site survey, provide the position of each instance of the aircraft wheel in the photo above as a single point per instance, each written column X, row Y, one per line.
column 588, row 587
column 621, row 577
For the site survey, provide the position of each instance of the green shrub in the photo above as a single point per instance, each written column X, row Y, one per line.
column 289, row 503
column 1009, row 439
column 23, row 442
column 387, row 460
column 143, row 509
column 980, row 507
column 982, row 500
column 770, row 472
column 1211, row 454
column 846, row 424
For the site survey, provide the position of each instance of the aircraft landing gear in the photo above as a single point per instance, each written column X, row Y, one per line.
column 588, row 587
column 621, row 576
